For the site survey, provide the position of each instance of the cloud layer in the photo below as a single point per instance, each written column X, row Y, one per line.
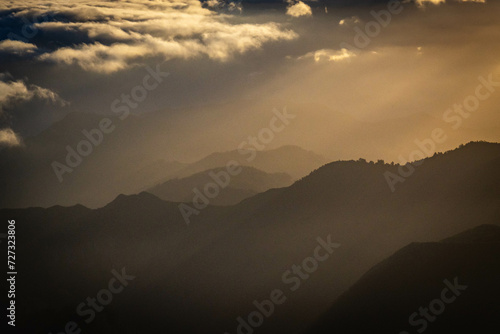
column 111, row 36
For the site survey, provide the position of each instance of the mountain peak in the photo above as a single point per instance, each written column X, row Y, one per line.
column 482, row 233
column 137, row 199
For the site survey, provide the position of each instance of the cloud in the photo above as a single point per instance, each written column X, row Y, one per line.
column 298, row 8
column 422, row 3
column 16, row 47
column 219, row 44
column 13, row 92
column 107, row 37
column 328, row 55
column 224, row 5
column 9, row 138
column 348, row 21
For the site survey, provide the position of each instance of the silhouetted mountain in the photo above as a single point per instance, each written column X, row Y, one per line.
column 480, row 234
column 150, row 174
column 456, row 280
column 119, row 163
column 272, row 161
column 214, row 268
column 232, row 189
column 128, row 159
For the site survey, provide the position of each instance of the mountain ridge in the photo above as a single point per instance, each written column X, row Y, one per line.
column 255, row 241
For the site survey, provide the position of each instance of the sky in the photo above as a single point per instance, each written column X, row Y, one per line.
column 370, row 61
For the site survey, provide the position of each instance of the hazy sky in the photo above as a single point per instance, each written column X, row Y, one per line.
column 241, row 60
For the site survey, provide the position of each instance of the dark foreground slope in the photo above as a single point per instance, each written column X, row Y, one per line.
column 441, row 287
column 199, row 278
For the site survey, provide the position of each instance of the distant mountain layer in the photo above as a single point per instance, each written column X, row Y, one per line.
column 118, row 163
column 441, row 287
column 213, row 269
column 141, row 152
column 230, row 189
column 291, row 160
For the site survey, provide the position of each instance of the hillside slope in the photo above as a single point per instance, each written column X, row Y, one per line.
column 389, row 297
